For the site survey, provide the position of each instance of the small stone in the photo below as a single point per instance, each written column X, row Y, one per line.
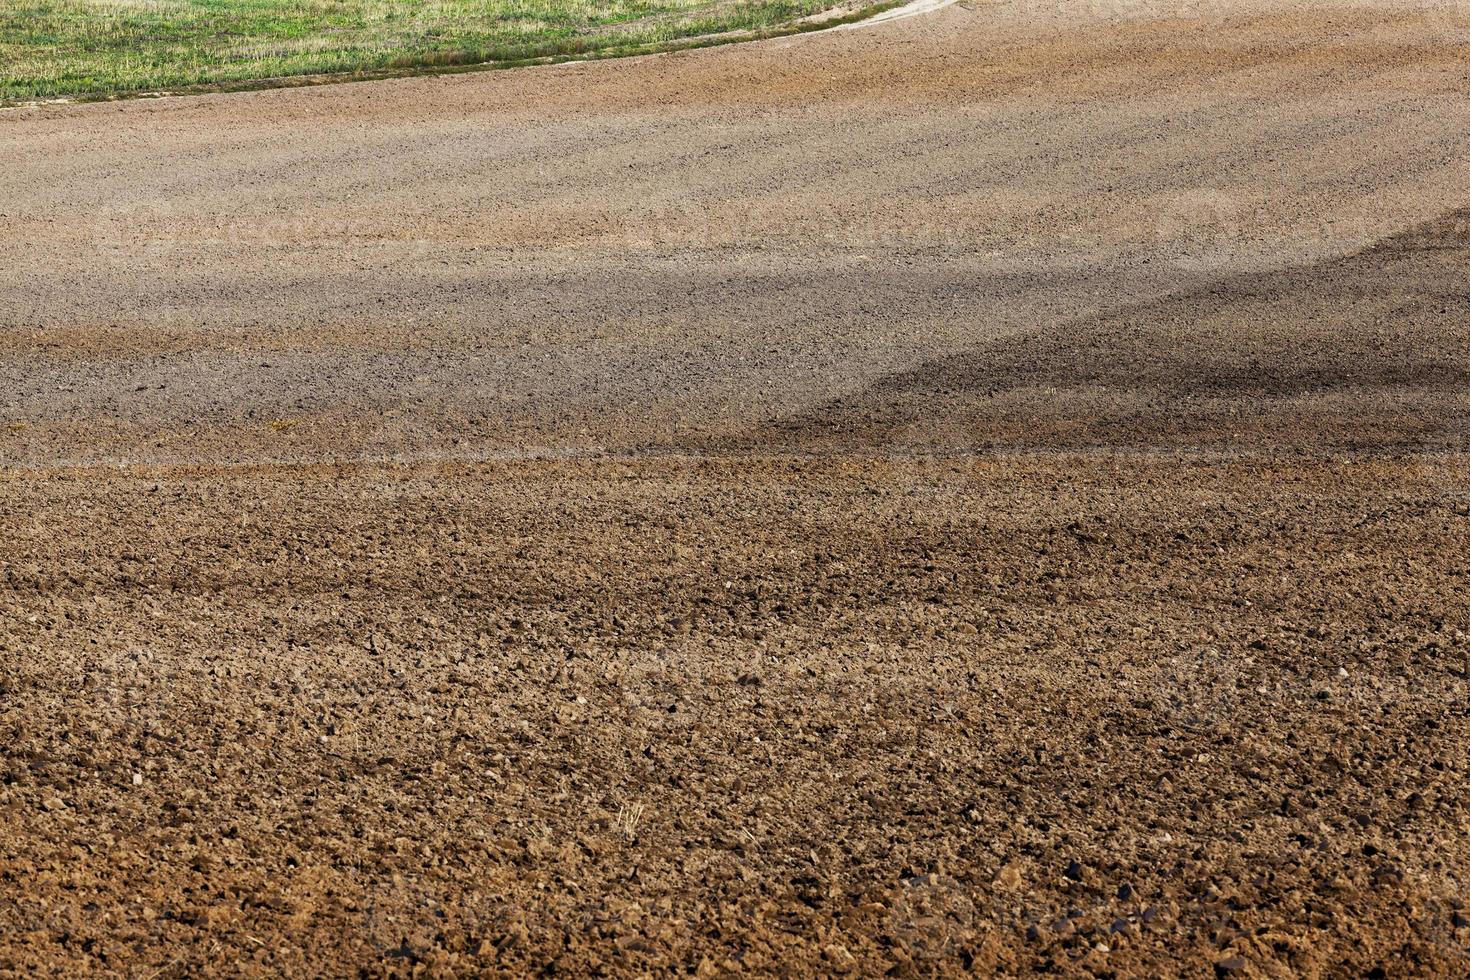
column 52, row 804
column 1125, row 892
column 1459, row 920
column 1073, row 871
column 137, row 779
column 839, row 957
column 1342, row 672
column 1230, row 964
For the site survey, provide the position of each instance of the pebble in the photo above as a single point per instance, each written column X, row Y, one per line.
column 1009, row 877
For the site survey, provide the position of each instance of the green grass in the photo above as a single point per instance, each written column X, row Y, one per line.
column 99, row 48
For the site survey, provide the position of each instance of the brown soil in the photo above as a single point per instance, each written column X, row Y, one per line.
column 986, row 492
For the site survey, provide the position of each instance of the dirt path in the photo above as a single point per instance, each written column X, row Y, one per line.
column 986, row 491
